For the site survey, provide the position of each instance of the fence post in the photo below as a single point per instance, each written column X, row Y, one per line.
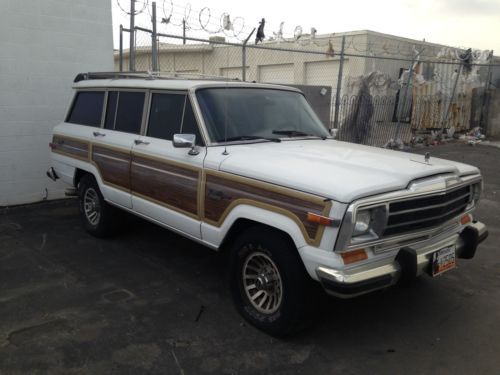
column 154, row 45
column 183, row 31
column 244, row 56
column 405, row 97
column 131, row 53
column 445, row 115
column 121, row 48
column 483, row 121
column 339, row 85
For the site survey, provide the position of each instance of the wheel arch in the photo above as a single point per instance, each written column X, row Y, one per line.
column 79, row 173
column 237, row 222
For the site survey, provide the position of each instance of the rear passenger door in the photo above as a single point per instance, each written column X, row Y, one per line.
column 165, row 181
column 112, row 144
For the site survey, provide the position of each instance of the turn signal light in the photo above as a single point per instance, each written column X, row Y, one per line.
column 354, row 256
column 465, row 219
column 318, row 219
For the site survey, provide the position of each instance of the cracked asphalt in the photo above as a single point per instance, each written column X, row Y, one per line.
column 150, row 302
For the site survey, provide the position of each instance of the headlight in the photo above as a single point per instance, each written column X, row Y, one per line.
column 362, row 223
column 369, row 224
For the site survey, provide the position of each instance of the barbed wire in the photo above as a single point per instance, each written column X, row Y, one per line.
column 207, row 21
column 137, row 11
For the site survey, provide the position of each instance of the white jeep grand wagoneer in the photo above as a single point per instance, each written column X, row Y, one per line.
column 249, row 169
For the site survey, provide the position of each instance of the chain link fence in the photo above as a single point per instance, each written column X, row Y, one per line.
column 378, row 98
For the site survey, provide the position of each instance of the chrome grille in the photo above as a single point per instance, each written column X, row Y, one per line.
column 427, row 212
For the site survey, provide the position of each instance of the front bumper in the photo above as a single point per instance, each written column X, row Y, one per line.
column 405, row 267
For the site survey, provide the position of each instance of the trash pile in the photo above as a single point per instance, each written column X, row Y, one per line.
column 436, row 137
column 395, row 144
column 473, row 137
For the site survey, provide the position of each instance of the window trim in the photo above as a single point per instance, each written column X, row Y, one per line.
column 119, row 90
column 104, row 109
column 187, row 96
column 201, row 128
column 73, row 100
column 201, row 120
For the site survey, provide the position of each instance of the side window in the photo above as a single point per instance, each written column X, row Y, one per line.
column 129, row 112
column 87, row 108
column 165, row 116
column 109, row 121
column 189, row 124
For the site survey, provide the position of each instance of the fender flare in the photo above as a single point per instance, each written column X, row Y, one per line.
column 216, row 235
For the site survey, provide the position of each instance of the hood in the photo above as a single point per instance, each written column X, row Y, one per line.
column 338, row 170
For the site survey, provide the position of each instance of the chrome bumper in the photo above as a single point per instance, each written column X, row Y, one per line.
column 406, row 266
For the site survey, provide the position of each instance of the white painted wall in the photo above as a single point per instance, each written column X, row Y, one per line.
column 43, row 45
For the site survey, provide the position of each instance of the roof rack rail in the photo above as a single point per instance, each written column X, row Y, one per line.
column 149, row 75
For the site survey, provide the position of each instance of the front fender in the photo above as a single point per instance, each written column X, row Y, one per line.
column 214, row 235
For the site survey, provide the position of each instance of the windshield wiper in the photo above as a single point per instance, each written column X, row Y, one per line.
column 249, row 138
column 296, row 133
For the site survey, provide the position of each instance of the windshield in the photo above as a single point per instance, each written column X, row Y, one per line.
column 252, row 113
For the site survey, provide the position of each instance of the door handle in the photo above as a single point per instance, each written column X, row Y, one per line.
column 141, row 142
column 97, row 134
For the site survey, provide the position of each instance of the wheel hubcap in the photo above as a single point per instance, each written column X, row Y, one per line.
column 91, row 206
column 262, row 283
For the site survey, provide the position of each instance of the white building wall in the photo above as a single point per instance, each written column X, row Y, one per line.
column 44, row 44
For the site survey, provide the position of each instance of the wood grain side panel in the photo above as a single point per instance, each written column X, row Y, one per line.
column 70, row 147
column 169, row 184
column 113, row 165
column 221, row 194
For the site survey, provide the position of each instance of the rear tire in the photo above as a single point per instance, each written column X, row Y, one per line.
column 98, row 216
column 269, row 284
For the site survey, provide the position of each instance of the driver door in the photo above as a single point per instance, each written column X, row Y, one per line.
column 165, row 180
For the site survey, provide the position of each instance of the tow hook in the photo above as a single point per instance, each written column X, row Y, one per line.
column 407, row 259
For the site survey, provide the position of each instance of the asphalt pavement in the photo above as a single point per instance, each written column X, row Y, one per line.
column 148, row 301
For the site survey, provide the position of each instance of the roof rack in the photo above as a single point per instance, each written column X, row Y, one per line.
column 149, row 75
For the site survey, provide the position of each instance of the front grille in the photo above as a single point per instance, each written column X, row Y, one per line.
column 427, row 212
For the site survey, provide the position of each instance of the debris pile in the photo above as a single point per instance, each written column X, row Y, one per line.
column 435, row 138
column 473, row 137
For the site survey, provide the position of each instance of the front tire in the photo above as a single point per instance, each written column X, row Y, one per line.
column 97, row 215
column 269, row 284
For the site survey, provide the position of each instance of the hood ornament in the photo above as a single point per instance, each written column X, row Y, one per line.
column 427, row 157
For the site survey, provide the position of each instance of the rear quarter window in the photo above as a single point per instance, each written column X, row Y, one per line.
column 87, row 108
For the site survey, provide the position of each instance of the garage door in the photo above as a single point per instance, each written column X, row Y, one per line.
column 278, row 73
column 232, row 72
column 323, row 73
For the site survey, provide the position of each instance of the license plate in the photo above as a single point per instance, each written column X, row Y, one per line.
column 443, row 260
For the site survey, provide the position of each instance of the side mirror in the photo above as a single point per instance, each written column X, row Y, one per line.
column 186, row 141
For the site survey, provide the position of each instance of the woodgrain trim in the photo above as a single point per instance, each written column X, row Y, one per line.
column 171, row 184
column 235, row 190
column 165, row 161
column 288, row 202
column 113, row 165
column 69, row 146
